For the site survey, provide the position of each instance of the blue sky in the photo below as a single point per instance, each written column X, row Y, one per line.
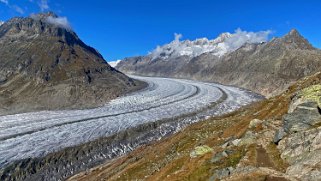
column 122, row 28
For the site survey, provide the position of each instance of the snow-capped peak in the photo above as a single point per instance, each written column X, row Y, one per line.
column 187, row 47
column 224, row 43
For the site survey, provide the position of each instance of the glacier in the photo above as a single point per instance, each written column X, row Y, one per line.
column 35, row 134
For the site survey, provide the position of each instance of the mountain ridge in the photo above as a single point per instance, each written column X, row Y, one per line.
column 276, row 64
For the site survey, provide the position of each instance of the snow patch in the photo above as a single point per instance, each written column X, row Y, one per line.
column 114, row 63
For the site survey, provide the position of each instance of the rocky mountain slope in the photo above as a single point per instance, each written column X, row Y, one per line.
column 275, row 139
column 267, row 68
column 44, row 65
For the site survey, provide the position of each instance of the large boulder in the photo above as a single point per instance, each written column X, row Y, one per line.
column 302, row 151
column 301, row 148
column 304, row 110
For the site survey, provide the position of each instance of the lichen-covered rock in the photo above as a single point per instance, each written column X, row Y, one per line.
column 200, row 150
column 309, row 94
column 304, row 111
column 305, row 116
column 254, row 123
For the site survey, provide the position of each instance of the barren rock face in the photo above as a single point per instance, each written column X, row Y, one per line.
column 46, row 66
column 302, row 151
column 267, row 68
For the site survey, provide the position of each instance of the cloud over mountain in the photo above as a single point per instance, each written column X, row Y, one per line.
column 59, row 21
column 240, row 37
column 223, row 44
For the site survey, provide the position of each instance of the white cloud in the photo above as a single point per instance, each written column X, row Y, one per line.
column 43, row 5
column 178, row 37
column 114, row 63
column 14, row 7
column 56, row 21
column 225, row 43
column 18, row 9
column 1, row 22
column 169, row 48
column 240, row 37
column 59, row 21
column 5, row 2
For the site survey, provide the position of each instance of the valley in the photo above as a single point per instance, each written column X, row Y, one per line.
column 179, row 102
column 102, row 91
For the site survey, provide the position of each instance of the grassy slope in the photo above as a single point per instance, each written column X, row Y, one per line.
column 169, row 159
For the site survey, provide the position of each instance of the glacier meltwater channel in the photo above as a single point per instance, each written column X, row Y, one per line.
column 36, row 134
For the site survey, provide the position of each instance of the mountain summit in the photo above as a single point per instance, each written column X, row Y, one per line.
column 45, row 65
column 297, row 40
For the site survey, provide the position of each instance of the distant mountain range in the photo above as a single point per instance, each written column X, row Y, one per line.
column 266, row 67
column 44, row 65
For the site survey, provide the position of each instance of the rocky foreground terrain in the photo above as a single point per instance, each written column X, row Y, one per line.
column 275, row 139
column 266, row 67
column 45, row 66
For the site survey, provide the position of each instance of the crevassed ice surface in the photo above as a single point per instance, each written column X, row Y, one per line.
column 39, row 133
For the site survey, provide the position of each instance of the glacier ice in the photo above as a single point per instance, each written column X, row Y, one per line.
column 39, row 133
